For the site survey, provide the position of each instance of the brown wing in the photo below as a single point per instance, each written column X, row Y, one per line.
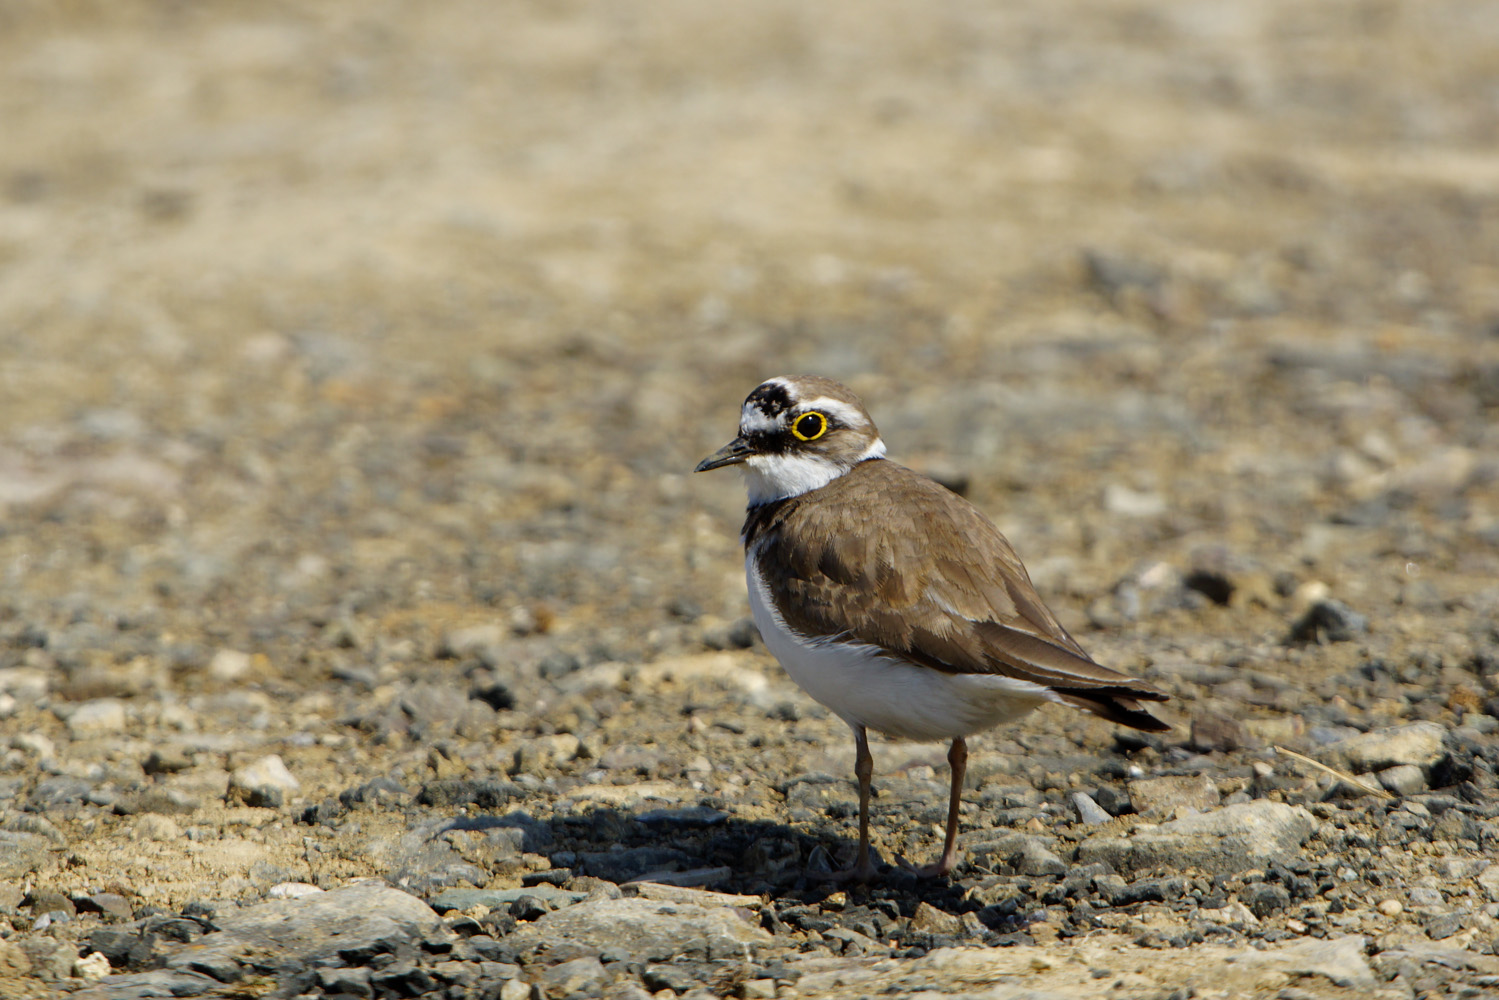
column 929, row 578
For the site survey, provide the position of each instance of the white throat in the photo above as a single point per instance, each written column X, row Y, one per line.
column 776, row 477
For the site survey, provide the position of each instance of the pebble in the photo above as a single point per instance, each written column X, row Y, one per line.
column 1417, row 744
column 229, row 666
column 1329, row 621
column 1403, row 779
column 266, row 783
column 155, row 827
column 1390, row 907
column 1165, row 797
column 92, row 966
column 1089, row 811
column 94, row 718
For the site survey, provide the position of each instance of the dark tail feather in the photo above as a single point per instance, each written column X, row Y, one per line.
column 1116, row 708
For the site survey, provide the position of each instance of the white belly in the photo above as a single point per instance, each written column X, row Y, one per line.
column 864, row 687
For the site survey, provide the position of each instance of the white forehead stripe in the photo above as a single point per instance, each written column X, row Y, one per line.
column 847, row 415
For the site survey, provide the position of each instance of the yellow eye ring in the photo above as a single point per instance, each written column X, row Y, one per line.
column 809, row 426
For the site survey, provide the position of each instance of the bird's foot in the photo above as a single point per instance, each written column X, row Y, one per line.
column 942, row 866
column 819, row 869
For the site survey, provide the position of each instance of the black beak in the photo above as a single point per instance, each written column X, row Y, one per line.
column 733, row 453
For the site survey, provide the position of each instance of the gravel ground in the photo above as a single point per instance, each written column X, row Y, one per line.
column 362, row 631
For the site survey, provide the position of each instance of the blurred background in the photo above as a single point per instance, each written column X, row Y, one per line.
column 328, row 328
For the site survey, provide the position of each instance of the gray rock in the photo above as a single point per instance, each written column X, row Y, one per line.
column 1341, row 960
column 1088, row 811
column 352, row 924
column 1403, row 779
column 1227, row 840
column 21, row 853
column 646, row 930
column 54, row 793
column 1018, row 854
column 1263, row 899
column 156, row 983
column 500, row 899
column 1329, row 621
column 267, row 783
column 578, row 976
column 1418, row 744
column 92, row 718
column 1160, row 798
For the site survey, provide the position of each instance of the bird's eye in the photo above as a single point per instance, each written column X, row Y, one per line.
column 810, row 426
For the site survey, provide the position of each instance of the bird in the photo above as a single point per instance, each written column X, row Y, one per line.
column 893, row 601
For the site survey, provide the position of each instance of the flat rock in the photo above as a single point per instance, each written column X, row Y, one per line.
column 645, row 929
column 1221, row 842
column 352, row 923
column 267, row 782
column 498, row 899
column 1161, row 798
column 21, row 853
column 1418, row 744
column 1341, row 961
column 103, row 715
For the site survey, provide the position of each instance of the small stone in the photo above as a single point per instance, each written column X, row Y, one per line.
column 1419, row 744
column 1488, row 881
column 1403, row 779
column 1089, row 811
column 266, row 783
column 1125, row 502
column 758, row 989
column 1264, row 899
column 92, row 718
column 291, row 890
column 1162, row 798
column 1212, row 732
column 515, row 989
column 166, row 760
column 461, row 642
column 350, row 982
column 155, row 827
column 1390, row 907
column 1328, row 621
column 91, row 966
column 111, row 904
column 579, row 976
column 931, row 920
column 36, row 744
column 1441, row 925
column 229, row 666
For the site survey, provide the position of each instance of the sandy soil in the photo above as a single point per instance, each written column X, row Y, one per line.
column 329, row 330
